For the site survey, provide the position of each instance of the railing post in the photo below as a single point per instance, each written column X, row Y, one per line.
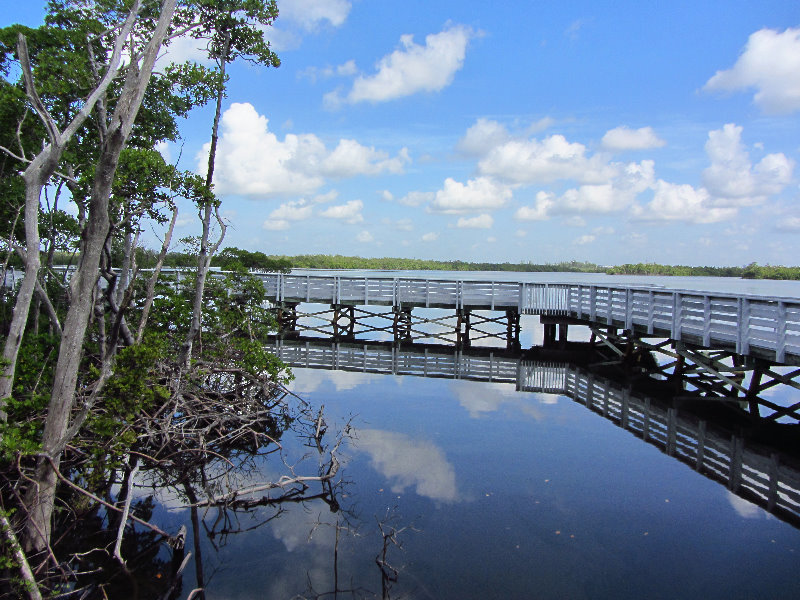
column 780, row 348
column 676, row 316
column 744, row 327
column 706, row 320
column 592, row 302
column 628, row 308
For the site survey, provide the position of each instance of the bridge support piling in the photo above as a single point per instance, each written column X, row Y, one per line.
column 287, row 316
column 401, row 323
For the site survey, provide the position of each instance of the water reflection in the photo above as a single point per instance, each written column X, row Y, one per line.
column 408, row 462
column 758, row 463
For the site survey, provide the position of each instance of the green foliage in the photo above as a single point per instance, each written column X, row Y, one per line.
column 754, row 271
column 31, row 394
column 132, row 389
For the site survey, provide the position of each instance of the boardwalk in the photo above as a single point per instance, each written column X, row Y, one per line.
column 766, row 476
column 759, row 326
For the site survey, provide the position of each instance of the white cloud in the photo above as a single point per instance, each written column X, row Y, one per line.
column 431, row 236
column 364, row 237
column 625, row 183
column 539, row 211
column 313, row 74
column 350, row 158
column 675, row 202
column 770, row 63
column 407, row 462
column 534, row 161
column 296, row 210
column 624, row 138
column 478, row 194
column 349, row 212
column 279, row 218
column 731, row 178
column 310, row 14
column 482, row 137
column 252, row 161
column 414, row 68
column 162, row 148
column 181, row 50
column 480, row 222
column 585, row 239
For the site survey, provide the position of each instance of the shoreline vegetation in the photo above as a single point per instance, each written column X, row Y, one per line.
column 231, row 258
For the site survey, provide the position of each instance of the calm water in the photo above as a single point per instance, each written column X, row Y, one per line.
column 510, row 495
column 497, row 493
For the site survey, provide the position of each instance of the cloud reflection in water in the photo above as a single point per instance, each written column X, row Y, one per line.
column 407, row 462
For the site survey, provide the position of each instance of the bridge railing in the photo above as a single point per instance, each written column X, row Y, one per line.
column 739, row 322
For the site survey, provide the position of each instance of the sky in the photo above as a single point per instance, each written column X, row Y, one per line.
column 537, row 131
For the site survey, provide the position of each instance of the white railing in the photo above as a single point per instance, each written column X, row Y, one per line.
column 741, row 323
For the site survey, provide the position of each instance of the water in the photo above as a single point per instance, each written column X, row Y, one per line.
column 498, row 493
column 506, row 494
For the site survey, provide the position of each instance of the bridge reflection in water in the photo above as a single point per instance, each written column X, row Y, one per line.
column 757, row 461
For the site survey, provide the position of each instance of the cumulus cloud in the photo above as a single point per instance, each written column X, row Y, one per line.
column 626, row 182
column 480, row 222
column 350, row 158
column 624, row 138
column 770, row 64
column 522, row 161
column 349, row 212
column 252, row 161
column 539, row 211
column 279, row 218
column 481, row 137
column 364, row 237
column 585, row 239
column 431, row 236
column 682, row 202
column 408, row 462
column 310, row 14
column 413, row 68
column 477, row 194
column 732, row 179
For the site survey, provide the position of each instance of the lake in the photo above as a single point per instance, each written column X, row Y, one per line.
column 466, row 489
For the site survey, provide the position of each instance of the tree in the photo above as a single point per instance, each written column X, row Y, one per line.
column 101, row 150
column 114, row 132
column 234, row 29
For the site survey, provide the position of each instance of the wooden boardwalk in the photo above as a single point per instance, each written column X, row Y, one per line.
column 760, row 326
column 766, row 476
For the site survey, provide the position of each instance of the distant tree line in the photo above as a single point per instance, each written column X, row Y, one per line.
column 233, row 258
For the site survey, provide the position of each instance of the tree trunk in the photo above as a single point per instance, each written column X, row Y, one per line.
column 204, row 257
column 36, row 175
column 40, row 495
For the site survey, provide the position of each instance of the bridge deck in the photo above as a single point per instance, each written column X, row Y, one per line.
column 767, row 327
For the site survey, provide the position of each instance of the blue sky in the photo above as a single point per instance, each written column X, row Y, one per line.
column 517, row 131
